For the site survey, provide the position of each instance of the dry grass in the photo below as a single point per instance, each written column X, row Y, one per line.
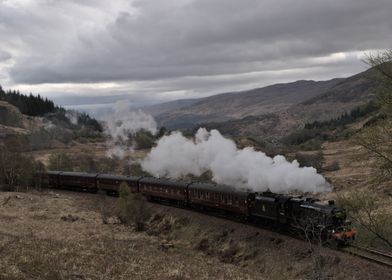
column 44, row 244
column 76, row 236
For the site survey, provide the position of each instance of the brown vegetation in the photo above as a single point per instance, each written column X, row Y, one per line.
column 17, row 170
column 64, row 235
column 132, row 208
column 372, row 216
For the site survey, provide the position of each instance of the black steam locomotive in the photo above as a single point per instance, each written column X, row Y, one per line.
column 295, row 212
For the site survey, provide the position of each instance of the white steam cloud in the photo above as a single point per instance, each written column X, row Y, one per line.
column 176, row 156
column 122, row 123
column 73, row 116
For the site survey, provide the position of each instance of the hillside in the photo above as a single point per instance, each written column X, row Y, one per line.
column 12, row 121
column 162, row 108
column 236, row 105
column 292, row 103
column 51, row 130
column 342, row 97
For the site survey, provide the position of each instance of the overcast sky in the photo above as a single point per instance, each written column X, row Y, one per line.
column 81, row 52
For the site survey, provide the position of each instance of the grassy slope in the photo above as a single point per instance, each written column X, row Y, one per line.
column 75, row 236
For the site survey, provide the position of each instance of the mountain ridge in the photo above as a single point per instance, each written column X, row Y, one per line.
column 239, row 104
column 293, row 103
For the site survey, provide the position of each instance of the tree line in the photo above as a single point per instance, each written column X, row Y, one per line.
column 28, row 104
column 32, row 105
column 345, row 118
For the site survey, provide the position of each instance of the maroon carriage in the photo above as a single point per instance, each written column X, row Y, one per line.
column 222, row 197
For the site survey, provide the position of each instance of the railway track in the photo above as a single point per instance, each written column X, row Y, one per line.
column 372, row 255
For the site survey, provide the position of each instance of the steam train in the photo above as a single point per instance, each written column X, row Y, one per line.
column 308, row 215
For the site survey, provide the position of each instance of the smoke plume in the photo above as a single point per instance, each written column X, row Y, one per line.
column 121, row 124
column 72, row 115
column 176, row 156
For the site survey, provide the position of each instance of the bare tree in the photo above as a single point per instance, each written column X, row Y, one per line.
column 16, row 169
column 314, row 234
column 367, row 210
column 377, row 138
column 132, row 207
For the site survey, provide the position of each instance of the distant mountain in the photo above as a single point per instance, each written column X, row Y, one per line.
column 343, row 97
column 236, row 105
column 166, row 107
column 286, row 106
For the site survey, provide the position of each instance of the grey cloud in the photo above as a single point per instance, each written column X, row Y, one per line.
column 4, row 56
column 152, row 92
column 188, row 46
column 170, row 39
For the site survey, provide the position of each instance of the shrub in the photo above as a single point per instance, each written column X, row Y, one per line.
column 369, row 213
column 144, row 140
column 85, row 162
column 39, row 140
column 334, row 166
column 132, row 208
column 9, row 117
column 60, row 161
column 17, row 170
column 135, row 169
column 314, row 159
